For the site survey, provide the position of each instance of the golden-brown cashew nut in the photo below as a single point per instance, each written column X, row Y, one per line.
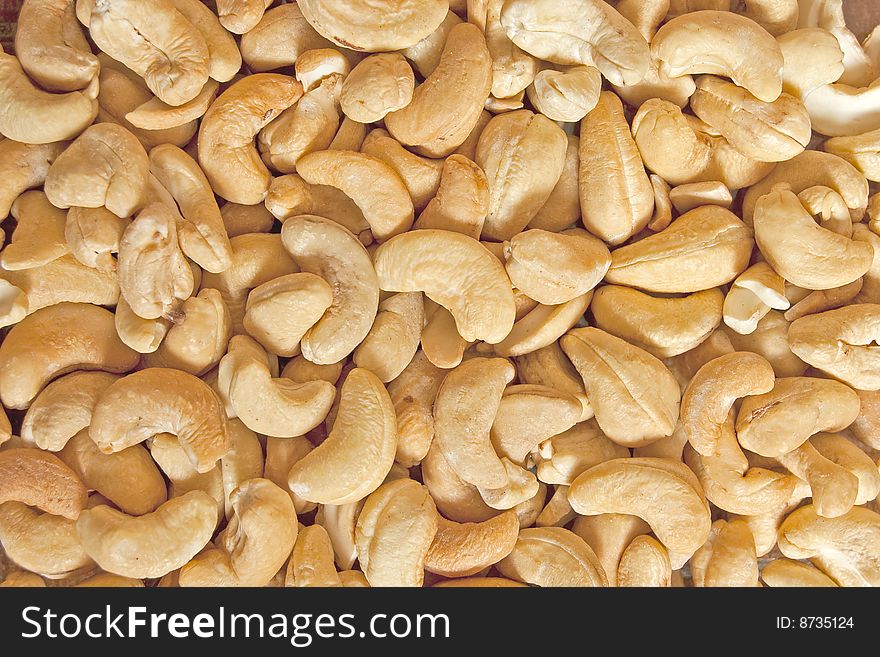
column 752, row 295
column 412, row 394
column 281, row 311
column 142, row 335
column 662, row 326
column 787, row 573
column 463, row 549
column 464, row 412
column 63, row 408
column 33, row 116
column 361, row 444
column 721, row 43
column 644, row 562
column 566, row 95
column 833, row 488
column 685, row 198
column 41, row 542
column 841, row 343
column 712, row 392
column 150, row 545
column 812, row 57
column 728, row 557
column 840, row 449
column 455, row 271
column 54, row 341
column 770, row 340
column 844, row 548
column 202, row 234
column 553, row 556
column 765, row 131
column 394, row 338
column 557, row 512
column 23, row 166
column 464, row 77
column 155, row 41
column 866, row 426
column 378, row 85
column 281, row 454
column 168, row 454
column 813, row 257
column 584, row 32
column 243, row 461
column 479, row 582
column 38, row 237
column 462, row 200
column 156, row 115
column 314, row 66
column 518, row 190
column 663, row 492
column 635, row 397
column 242, row 219
column 311, row 563
column 425, row 55
column 41, row 479
column 522, row 486
column 160, row 400
column 227, row 152
column 456, row 499
column 281, row 36
column 621, row 205
column 224, row 59
column 373, row 185
column 93, row 235
column 543, row 326
column 129, row 479
column 566, row 455
column 325, row 248
column 105, row 166
column 107, row 580
column 394, row 533
column 51, row 47
column 704, row 248
column 241, row 16
column 554, row 268
column 774, row 423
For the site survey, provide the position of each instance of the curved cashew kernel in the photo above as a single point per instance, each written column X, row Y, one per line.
column 129, row 479
column 862, row 151
column 833, row 488
column 311, row 563
column 464, row 411
column 325, row 248
column 375, row 26
column 378, row 85
column 202, row 234
column 712, row 392
column 704, row 248
column 634, row 396
column 437, row 262
column 721, row 43
column 528, row 415
column 837, row 449
column 770, row 340
column 51, row 47
column 554, row 268
column 105, row 166
column 787, row 573
column 281, row 311
column 462, row 200
column 567, row 95
column 692, row 195
column 394, row 338
column 644, row 562
column 314, row 66
column 589, row 32
column 56, row 340
column 455, row 498
column 23, row 166
column 227, row 152
column 34, row 116
column 421, row 175
column 281, row 36
column 463, row 549
column 552, row 556
column 866, row 426
column 155, row 41
column 412, row 394
column 464, row 77
column 290, row 196
column 728, row 557
column 550, row 366
column 257, row 258
column 522, row 486
column 618, row 207
column 41, row 479
column 142, row 335
column 159, row 400
column 373, row 185
column 809, row 169
column 662, row 326
column 394, row 533
column 663, row 492
column 156, row 115
column 63, row 408
column 41, row 542
column 820, row 259
column 241, row 16
column 154, row 277
column 241, row 219
column 362, row 443
column 841, row 343
column 542, row 327
column 609, row 534
column 767, row 132
column 93, row 235
column 844, row 548
column 38, row 238
column 774, row 423
column 813, row 59
column 563, row 206
column 566, row 455
column 224, row 59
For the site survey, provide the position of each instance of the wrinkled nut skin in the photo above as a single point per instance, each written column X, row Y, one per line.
column 635, row 397
column 161, row 400
column 841, row 343
column 464, row 77
column 150, row 545
column 54, row 341
column 41, row 479
column 553, row 556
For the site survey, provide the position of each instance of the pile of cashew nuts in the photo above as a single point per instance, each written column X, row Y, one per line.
column 439, row 293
